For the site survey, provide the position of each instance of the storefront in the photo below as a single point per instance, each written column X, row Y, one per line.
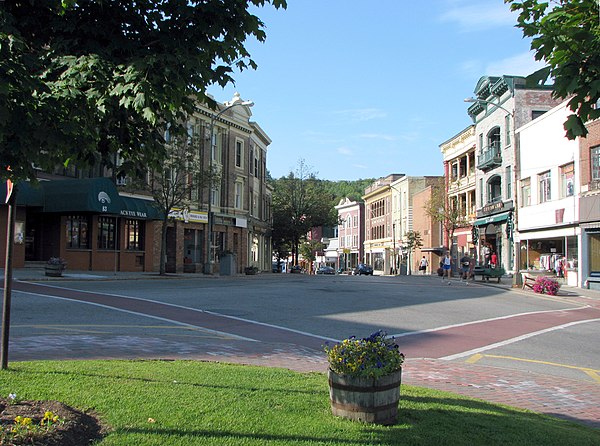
column 86, row 222
column 494, row 235
column 554, row 251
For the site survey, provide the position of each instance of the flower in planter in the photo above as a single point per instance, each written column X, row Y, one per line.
column 546, row 285
column 372, row 357
column 57, row 261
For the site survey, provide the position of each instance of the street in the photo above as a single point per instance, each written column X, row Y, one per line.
column 204, row 317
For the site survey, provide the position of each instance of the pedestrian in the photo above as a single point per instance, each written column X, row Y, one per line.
column 494, row 259
column 447, row 267
column 471, row 268
column 423, row 265
column 465, row 263
column 486, row 255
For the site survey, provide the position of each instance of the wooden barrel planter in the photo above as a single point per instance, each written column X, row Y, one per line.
column 365, row 399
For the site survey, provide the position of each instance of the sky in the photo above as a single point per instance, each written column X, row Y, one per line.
column 365, row 88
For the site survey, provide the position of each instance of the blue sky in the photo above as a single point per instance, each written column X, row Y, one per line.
column 365, row 88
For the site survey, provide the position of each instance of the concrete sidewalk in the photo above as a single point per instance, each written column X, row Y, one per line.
column 566, row 398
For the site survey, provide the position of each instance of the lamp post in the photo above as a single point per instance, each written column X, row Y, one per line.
column 237, row 100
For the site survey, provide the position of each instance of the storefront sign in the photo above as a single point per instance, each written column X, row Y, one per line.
column 187, row 216
column 492, row 207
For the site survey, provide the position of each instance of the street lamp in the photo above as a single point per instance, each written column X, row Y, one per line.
column 475, row 100
column 237, row 100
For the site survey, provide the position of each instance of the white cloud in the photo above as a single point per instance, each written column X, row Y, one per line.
column 377, row 136
column 362, row 114
column 473, row 16
column 519, row 65
column 345, row 151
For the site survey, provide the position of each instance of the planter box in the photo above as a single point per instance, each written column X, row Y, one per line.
column 54, row 270
column 365, row 399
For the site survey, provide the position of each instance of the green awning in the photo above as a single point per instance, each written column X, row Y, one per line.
column 27, row 194
column 97, row 195
column 491, row 219
column 140, row 209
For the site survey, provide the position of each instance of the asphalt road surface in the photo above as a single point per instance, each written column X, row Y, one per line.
column 188, row 318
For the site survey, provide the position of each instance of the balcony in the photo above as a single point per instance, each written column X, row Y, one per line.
column 489, row 157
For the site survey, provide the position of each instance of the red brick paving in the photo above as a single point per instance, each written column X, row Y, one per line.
column 569, row 399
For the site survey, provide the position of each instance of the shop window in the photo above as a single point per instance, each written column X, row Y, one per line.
column 567, row 180
column 526, row 192
column 77, row 232
column 594, row 251
column 107, row 233
column 507, row 120
column 544, row 183
column 134, row 235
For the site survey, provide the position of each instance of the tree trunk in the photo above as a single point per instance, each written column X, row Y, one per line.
column 163, row 247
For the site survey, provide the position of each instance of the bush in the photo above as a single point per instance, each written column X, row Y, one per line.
column 546, row 285
column 371, row 357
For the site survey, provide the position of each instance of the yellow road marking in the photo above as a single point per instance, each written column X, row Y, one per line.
column 590, row 372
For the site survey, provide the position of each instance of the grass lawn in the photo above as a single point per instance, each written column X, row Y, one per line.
column 198, row 403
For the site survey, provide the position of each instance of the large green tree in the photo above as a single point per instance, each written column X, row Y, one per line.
column 83, row 79
column 300, row 203
column 566, row 35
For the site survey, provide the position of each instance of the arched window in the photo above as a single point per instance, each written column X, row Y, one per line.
column 494, row 189
column 493, row 138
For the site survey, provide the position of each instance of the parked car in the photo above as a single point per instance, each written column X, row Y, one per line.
column 296, row 269
column 325, row 270
column 363, row 269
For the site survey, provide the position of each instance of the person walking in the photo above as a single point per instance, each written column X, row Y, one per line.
column 423, row 265
column 447, row 267
column 465, row 262
column 494, row 259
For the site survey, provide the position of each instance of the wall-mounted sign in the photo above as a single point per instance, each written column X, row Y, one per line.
column 189, row 217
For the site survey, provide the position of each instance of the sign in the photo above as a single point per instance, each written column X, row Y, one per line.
column 187, row 216
column 492, row 207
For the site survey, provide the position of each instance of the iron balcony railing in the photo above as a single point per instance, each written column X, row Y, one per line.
column 490, row 157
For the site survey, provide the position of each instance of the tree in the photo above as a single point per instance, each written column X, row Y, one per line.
column 82, row 80
column 446, row 211
column 299, row 204
column 309, row 249
column 412, row 241
column 178, row 183
column 566, row 35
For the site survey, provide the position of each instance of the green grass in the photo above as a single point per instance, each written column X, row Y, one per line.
column 197, row 403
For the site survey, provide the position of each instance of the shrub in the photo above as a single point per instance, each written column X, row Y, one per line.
column 546, row 285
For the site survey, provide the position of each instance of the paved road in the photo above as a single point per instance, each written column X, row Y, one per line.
column 503, row 345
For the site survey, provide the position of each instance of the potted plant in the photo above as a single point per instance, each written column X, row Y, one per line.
column 364, row 378
column 55, row 266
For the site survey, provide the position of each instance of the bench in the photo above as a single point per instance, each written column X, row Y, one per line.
column 528, row 281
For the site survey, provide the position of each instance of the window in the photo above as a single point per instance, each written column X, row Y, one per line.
column 256, row 172
column 77, row 232
column 107, row 233
column 495, row 189
column 594, row 252
column 238, row 195
column 567, row 180
column 493, row 139
column 544, row 187
column 508, row 181
column 134, row 235
column 481, row 193
column 454, row 171
column 239, row 153
column 507, row 129
column 537, row 113
column 595, row 163
column 526, row 192
column 215, row 197
column 463, row 167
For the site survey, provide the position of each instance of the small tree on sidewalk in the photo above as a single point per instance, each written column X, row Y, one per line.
column 412, row 241
column 179, row 182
